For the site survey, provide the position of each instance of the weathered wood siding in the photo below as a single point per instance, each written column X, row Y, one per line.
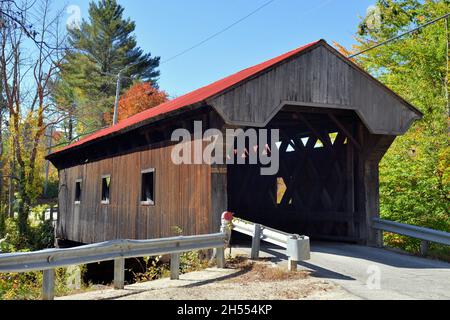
column 182, row 199
column 319, row 78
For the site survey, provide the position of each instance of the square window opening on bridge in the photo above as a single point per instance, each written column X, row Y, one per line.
column 78, row 191
column 148, row 187
column 106, row 185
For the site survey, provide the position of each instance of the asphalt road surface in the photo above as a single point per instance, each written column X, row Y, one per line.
column 372, row 273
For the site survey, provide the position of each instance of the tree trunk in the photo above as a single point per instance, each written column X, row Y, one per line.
column 23, row 203
column 12, row 169
column 1, row 151
column 70, row 128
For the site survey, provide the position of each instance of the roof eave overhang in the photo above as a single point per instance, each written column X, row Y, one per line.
column 150, row 121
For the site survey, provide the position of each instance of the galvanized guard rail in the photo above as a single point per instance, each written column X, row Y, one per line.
column 424, row 234
column 117, row 250
column 297, row 247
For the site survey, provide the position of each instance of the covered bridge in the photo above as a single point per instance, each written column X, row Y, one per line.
column 335, row 122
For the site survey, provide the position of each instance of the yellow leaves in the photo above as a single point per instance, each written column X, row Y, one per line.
column 443, row 167
column 394, row 239
column 421, row 18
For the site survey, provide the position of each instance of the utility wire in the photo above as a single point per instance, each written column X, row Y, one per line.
column 232, row 25
column 399, row 36
column 218, row 32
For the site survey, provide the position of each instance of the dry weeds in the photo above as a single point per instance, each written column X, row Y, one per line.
column 262, row 271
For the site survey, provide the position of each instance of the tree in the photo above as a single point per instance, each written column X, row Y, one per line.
column 27, row 77
column 415, row 173
column 141, row 96
column 102, row 47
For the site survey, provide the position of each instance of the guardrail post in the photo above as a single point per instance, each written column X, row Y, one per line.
column 292, row 265
column 48, row 285
column 226, row 219
column 175, row 266
column 424, row 247
column 379, row 238
column 298, row 249
column 119, row 273
column 256, row 242
column 220, row 257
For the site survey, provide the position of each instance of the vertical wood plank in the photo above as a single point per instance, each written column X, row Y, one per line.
column 350, row 182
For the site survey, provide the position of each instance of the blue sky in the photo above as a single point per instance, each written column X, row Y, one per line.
column 167, row 27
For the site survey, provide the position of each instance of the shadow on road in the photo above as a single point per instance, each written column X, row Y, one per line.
column 129, row 291
column 378, row 255
column 317, row 271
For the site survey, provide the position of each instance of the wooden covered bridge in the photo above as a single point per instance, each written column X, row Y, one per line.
column 335, row 121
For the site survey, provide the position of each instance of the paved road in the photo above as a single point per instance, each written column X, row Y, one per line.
column 372, row 273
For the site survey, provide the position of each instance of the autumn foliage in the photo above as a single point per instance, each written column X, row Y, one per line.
column 140, row 97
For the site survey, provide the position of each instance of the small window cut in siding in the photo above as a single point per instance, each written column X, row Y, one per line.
column 148, row 187
column 106, row 184
column 78, row 191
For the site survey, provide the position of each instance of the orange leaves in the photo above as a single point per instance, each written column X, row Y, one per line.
column 141, row 96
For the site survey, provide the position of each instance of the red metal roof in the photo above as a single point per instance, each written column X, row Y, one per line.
column 188, row 99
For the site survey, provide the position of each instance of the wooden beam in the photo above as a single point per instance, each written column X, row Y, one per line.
column 350, row 184
column 319, row 136
column 345, row 131
column 315, row 110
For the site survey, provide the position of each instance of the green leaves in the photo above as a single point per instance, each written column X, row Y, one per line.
column 414, row 174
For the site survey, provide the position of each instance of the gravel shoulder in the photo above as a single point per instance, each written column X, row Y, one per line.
column 242, row 280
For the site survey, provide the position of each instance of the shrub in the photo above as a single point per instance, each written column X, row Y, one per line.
column 28, row 286
column 152, row 269
column 40, row 236
column 157, row 268
column 2, row 225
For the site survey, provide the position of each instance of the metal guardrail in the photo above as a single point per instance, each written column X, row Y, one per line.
column 117, row 250
column 297, row 247
column 424, row 234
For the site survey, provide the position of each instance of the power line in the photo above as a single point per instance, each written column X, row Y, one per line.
column 399, row 36
column 324, row 3
column 218, row 32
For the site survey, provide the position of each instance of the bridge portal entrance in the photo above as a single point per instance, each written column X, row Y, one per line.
column 318, row 190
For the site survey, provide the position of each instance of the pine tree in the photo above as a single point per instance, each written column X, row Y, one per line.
column 102, row 47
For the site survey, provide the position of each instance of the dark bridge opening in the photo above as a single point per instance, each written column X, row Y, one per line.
column 314, row 191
